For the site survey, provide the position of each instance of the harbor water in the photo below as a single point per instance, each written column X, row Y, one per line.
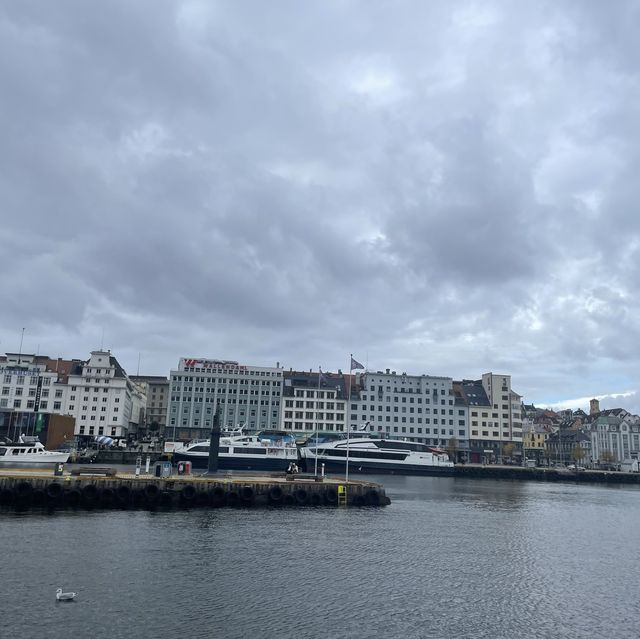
column 449, row 557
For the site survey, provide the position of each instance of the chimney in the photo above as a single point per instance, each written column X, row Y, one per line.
column 388, row 369
column 594, row 407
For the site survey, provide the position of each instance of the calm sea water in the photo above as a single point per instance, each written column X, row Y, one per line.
column 448, row 558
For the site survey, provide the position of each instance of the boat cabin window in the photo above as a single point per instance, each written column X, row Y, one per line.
column 203, row 448
column 3, row 451
column 16, row 451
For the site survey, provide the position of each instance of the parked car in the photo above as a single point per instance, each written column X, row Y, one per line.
column 576, row 468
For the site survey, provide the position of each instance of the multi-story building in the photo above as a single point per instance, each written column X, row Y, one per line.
column 156, row 392
column 495, row 418
column 562, row 446
column 534, row 437
column 418, row 407
column 483, row 447
column 100, row 396
column 314, row 401
column 247, row 396
column 615, row 438
column 506, row 407
column 28, row 390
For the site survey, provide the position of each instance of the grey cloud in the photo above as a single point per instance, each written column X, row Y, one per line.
column 449, row 187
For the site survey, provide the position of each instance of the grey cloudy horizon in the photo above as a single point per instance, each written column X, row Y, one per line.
column 445, row 188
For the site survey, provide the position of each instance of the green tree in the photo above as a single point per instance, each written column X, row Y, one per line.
column 578, row 453
column 607, row 456
column 507, row 450
column 452, row 448
column 154, row 427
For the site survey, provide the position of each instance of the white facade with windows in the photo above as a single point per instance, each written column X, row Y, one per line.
column 502, row 420
column 617, row 437
column 419, row 407
column 311, row 402
column 247, row 396
column 28, row 387
column 100, row 397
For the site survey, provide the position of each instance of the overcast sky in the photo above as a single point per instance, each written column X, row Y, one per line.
column 446, row 187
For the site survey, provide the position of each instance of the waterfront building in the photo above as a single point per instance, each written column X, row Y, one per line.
column 315, row 401
column 247, row 396
column 419, row 408
column 534, row 437
column 102, row 398
column 614, row 438
column 561, row 446
column 33, row 388
column 506, row 405
column 156, row 391
column 494, row 418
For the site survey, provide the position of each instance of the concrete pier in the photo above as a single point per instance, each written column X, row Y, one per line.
column 476, row 471
column 93, row 488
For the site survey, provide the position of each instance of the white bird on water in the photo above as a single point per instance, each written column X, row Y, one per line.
column 65, row 596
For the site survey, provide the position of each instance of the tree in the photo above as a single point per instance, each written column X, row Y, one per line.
column 507, row 450
column 578, row 453
column 452, row 448
column 607, row 456
column 154, row 427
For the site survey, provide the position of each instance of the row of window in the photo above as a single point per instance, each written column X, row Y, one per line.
column 29, row 404
column 20, row 380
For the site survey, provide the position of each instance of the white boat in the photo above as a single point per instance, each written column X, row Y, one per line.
column 376, row 456
column 244, row 452
column 28, row 450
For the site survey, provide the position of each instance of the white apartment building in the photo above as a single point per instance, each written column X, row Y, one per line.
column 419, row 407
column 27, row 386
column 247, row 396
column 504, row 419
column 99, row 395
column 618, row 437
column 314, row 402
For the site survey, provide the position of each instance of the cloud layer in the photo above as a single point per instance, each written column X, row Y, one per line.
column 444, row 188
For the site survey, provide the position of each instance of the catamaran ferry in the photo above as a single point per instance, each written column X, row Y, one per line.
column 379, row 456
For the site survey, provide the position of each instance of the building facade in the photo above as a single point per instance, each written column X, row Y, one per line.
column 419, row 408
column 615, row 439
column 156, row 392
column 314, row 401
column 247, row 396
column 100, row 396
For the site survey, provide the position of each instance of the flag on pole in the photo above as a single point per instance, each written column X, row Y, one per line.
column 355, row 364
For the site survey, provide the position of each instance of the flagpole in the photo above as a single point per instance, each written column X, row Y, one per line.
column 317, row 402
column 347, row 414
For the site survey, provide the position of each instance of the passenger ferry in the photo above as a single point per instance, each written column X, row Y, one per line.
column 29, row 450
column 379, row 456
column 271, row 450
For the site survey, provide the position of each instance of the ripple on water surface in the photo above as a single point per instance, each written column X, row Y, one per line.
column 448, row 558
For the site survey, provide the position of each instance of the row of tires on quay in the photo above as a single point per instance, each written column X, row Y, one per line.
column 24, row 494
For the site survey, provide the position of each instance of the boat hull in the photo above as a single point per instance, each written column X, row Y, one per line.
column 372, row 467
column 237, row 461
column 34, row 459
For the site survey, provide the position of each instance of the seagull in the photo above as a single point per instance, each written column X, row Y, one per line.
column 65, row 596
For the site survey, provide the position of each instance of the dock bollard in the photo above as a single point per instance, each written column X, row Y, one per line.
column 147, row 465
column 138, row 466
